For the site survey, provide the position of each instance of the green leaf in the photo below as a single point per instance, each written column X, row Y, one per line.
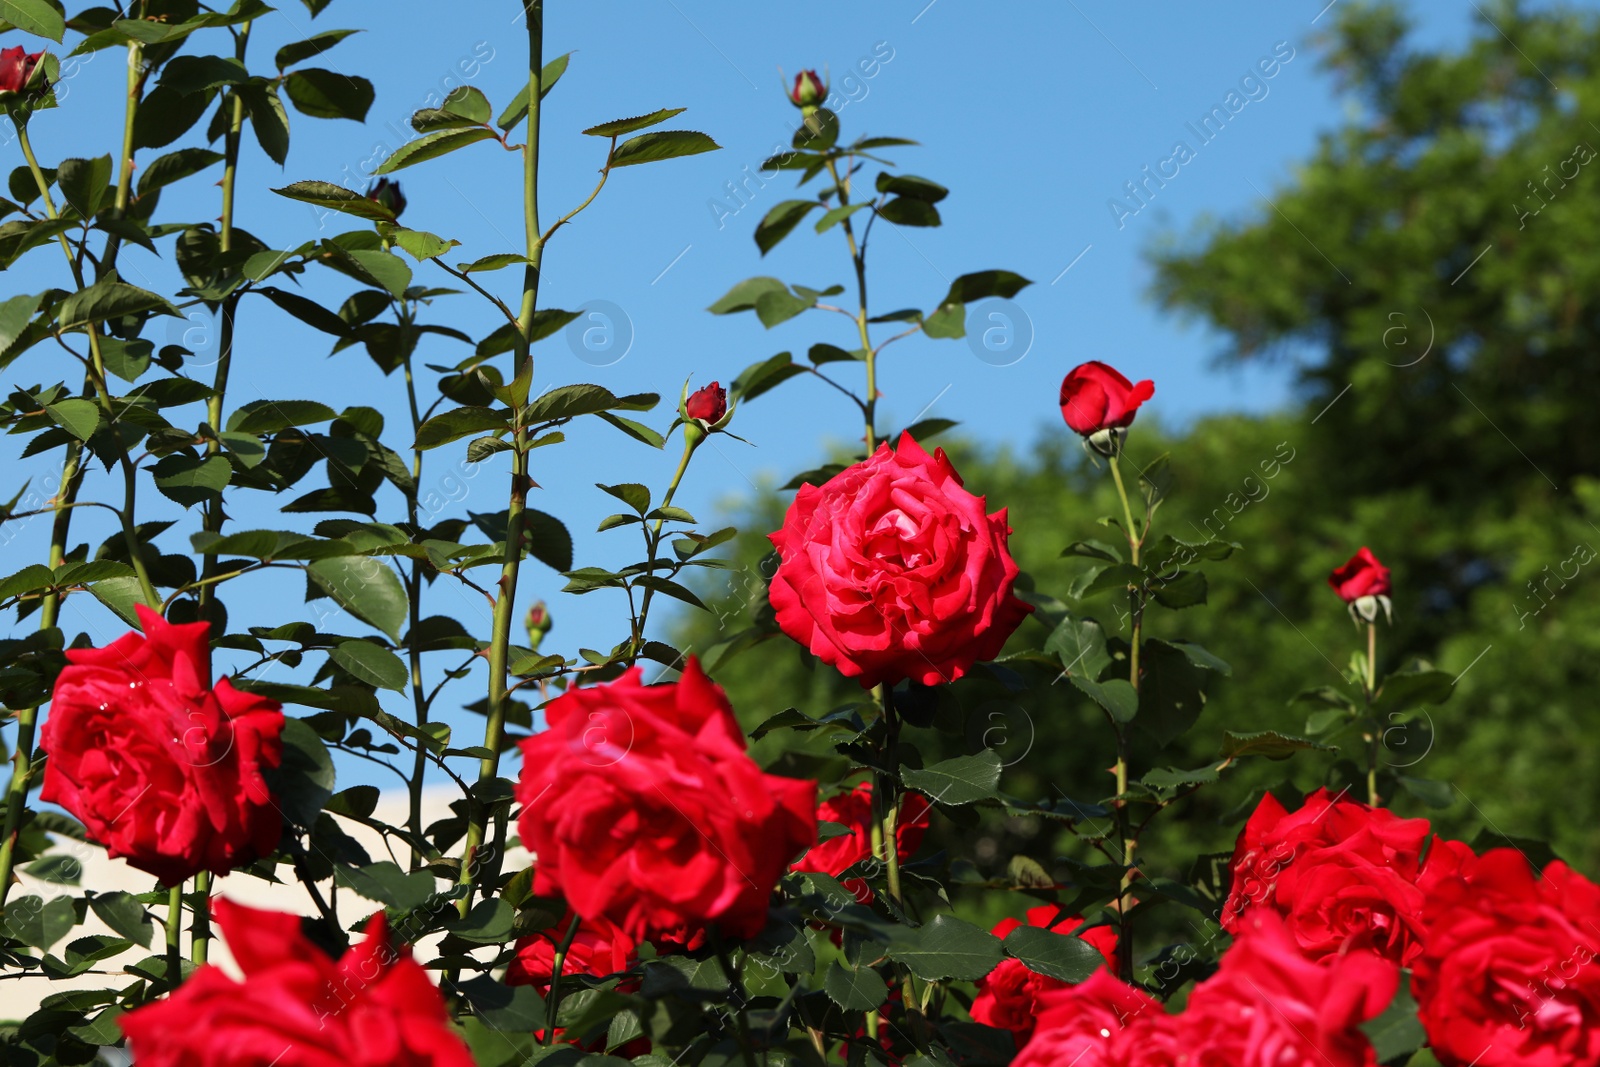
column 862, row 989
column 497, row 261
column 1433, row 793
column 110, row 298
column 633, row 494
column 271, row 416
column 325, row 94
column 366, row 587
column 458, row 423
column 432, row 146
column 371, row 664
column 1080, row 645
column 469, row 103
column 779, row 222
column 304, row 779
column 819, row 131
column 165, row 114
column 948, row 322
column 743, row 297
column 946, row 948
column 124, row 914
column 386, row 883
column 196, row 74
column 665, row 144
column 826, row 353
column 760, row 377
column 618, row 127
column 85, row 183
column 39, row 923
column 916, row 188
column 30, row 579
column 175, row 166
column 290, row 54
column 337, row 198
column 1116, row 695
column 422, row 245
column 773, row 308
column 34, row 16
column 961, row 780
column 122, row 595
column 1412, row 688
column 547, row 539
column 909, row 211
column 15, row 315
column 570, row 401
column 1171, row 692
column 836, row 215
column 386, row 268
column 78, row 417
column 1059, row 956
column 517, row 110
column 985, row 283
column 488, row 923
column 1268, row 743
column 1183, row 590
column 190, row 480
column 269, row 121
column 1397, row 1032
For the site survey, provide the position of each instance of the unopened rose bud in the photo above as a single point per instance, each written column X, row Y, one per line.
column 387, row 193
column 16, row 67
column 708, row 404
column 808, row 91
column 1363, row 583
column 1098, row 402
column 538, row 623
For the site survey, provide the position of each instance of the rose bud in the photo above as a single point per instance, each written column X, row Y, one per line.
column 1099, row 403
column 808, row 91
column 387, row 194
column 708, row 404
column 538, row 623
column 16, row 67
column 1363, row 583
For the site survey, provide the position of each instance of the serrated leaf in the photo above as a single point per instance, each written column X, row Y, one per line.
column 618, row 127
column 432, row 146
column 337, row 198
column 665, row 144
column 366, row 587
column 947, row 948
column 372, row 664
column 956, row 781
column 1059, row 956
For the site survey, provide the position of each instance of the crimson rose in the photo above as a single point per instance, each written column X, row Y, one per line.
column 1363, row 583
column 296, row 1007
column 854, row 809
column 1341, row 874
column 16, row 67
column 159, row 766
column 1010, row 996
column 1508, row 976
column 1096, row 396
column 644, row 809
column 708, row 404
column 1268, row 1005
column 891, row 570
column 1100, row 1022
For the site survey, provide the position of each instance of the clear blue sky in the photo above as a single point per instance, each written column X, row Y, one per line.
column 1034, row 114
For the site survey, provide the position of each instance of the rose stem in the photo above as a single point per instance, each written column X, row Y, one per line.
column 213, row 516
column 201, row 944
column 174, row 935
column 735, row 994
column 691, row 441
column 858, row 257
column 1370, row 686
column 1130, row 842
column 553, row 1001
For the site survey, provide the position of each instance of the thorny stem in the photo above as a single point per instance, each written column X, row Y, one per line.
column 174, row 936
column 505, row 602
column 553, row 1001
column 1370, row 687
column 1130, row 841
column 858, row 257
column 419, row 699
column 653, row 539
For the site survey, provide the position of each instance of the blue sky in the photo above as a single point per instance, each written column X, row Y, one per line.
column 1035, row 115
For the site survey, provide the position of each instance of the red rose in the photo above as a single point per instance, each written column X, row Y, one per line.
column 644, row 809
column 1010, row 996
column 1100, row 1022
column 891, row 570
column 296, row 1007
column 708, row 404
column 1341, row 874
column 1362, row 575
column 1363, row 583
column 854, row 809
column 808, row 89
column 387, row 194
column 1509, row 976
column 598, row 948
column 1095, row 397
column 159, row 766
column 1268, row 1005
column 16, row 67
